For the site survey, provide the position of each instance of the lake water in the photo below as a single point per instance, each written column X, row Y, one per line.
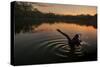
column 43, row 43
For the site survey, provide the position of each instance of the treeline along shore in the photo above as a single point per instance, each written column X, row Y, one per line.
column 27, row 15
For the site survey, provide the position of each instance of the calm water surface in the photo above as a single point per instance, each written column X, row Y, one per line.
column 43, row 44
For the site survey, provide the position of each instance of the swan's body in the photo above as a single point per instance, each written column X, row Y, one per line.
column 72, row 42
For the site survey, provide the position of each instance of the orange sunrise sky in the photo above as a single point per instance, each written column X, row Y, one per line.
column 65, row 9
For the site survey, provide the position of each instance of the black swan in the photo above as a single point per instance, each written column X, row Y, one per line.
column 75, row 41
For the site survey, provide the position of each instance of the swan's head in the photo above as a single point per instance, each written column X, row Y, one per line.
column 79, row 34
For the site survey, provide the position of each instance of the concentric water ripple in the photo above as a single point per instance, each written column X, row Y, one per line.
column 57, row 47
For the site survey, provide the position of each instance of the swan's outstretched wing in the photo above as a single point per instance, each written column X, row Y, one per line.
column 64, row 34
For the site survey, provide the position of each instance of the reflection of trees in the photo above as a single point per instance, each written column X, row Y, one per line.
column 26, row 15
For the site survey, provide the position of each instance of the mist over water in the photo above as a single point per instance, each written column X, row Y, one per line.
column 43, row 44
